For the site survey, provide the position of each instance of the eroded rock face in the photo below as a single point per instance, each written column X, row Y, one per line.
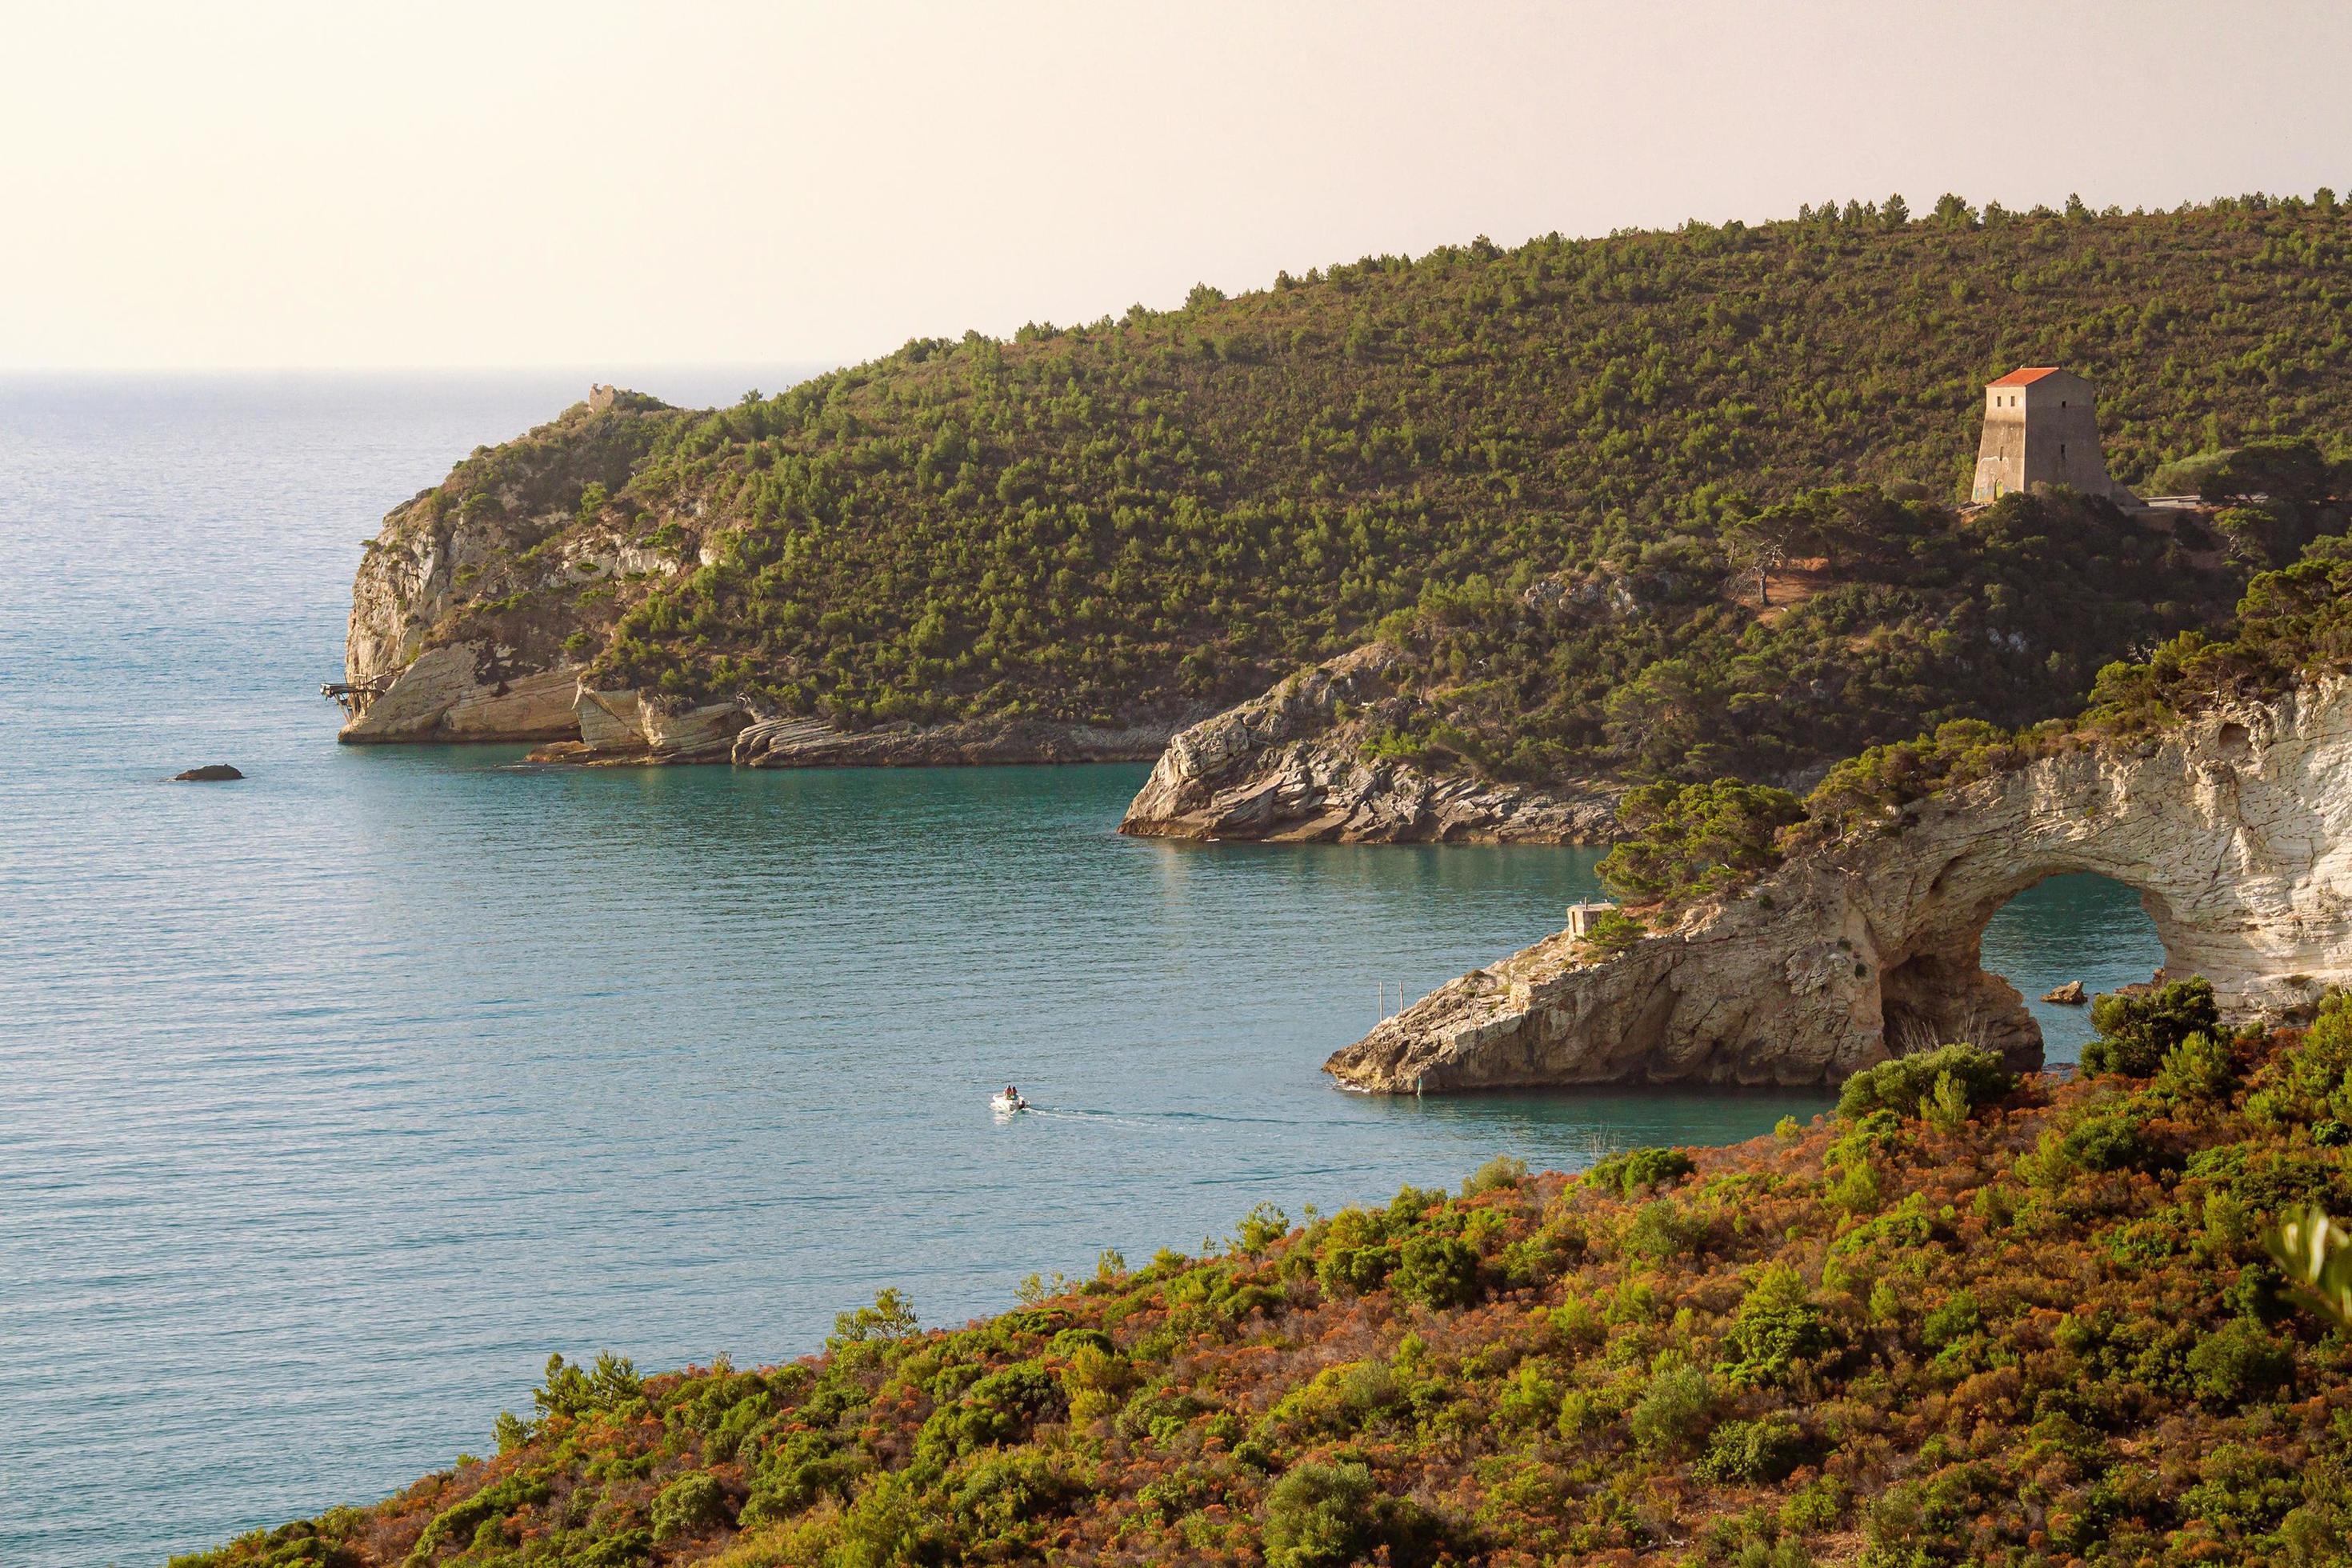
column 426, row 663
column 813, row 743
column 2236, row 830
column 1289, row 767
column 466, row 691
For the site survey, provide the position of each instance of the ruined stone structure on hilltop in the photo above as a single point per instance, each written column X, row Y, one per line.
column 2040, row 427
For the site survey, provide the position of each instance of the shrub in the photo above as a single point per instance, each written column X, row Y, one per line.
column 570, row 1390
column 1955, row 1320
column 1353, row 1270
column 2243, row 1490
column 1325, row 1516
column 1777, row 1326
column 998, row 1409
column 1871, row 787
column 1341, row 1400
column 2109, row 1141
column 888, row 1525
column 805, row 1467
column 1946, row 1110
column 2238, row 1363
column 2136, row 1032
column 1640, row 1169
column 2311, row 1082
column 2198, row 1069
column 1262, row 1226
column 1752, row 1452
column 1857, row 1189
column 1001, row 1493
column 1094, row 1380
column 1436, row 1270
column 1528, row 1399
column 1502, row 1171
column 463, row 1521
column 687, row 1504
column 1070, row 1342
column 891, row 1318
column 1673, row 1411
column 1905, row 1084
column 1663, row 1229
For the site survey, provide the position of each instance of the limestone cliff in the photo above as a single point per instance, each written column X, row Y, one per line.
column 467, row 691
column 462, row 602
column 1290, row 767
column 2235, row 828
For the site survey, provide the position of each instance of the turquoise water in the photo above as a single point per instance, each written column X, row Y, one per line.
column 2071, row 928
column 331, row 1102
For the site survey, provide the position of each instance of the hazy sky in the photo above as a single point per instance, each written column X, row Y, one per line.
column 583, row 185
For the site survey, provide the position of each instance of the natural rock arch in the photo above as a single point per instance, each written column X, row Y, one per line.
column 2236, row 830
column 1934, row 987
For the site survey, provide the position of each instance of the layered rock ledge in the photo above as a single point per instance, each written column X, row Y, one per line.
column 621, row 727
column 1291, row 767
column 2236, row 830
column 469, row 691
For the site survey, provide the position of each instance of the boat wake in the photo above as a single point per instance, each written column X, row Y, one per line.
column 1143, row 1119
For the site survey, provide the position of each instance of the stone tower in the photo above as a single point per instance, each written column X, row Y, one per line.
column 2040, row 427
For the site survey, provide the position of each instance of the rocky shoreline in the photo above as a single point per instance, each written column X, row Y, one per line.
column 2236, row 829
column 733, row 736
column 1292, row 767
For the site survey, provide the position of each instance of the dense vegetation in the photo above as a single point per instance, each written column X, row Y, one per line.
column 1922, row 619
column 1966, row 1318
column 1158, row 515
column 1689, row 842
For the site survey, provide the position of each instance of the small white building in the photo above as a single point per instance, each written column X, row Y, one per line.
column 1582, row 917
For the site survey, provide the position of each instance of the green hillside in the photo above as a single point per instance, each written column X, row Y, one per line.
column 1961, row 1322
column 1150, row 517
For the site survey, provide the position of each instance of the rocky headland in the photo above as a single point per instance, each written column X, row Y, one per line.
column 1299, row 765
column 2234, row 826
column 1132, row 525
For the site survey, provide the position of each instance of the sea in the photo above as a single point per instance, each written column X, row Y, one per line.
column 334, row 1101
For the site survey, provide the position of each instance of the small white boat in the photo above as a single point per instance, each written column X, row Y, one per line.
column 1007, row 1104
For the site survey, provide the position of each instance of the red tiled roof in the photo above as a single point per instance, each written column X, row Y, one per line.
column 2025, row 377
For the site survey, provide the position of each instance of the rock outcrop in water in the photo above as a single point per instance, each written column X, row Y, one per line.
column 466, row 613
column 469, row 691
column 2236, row 830
column 1291, row 767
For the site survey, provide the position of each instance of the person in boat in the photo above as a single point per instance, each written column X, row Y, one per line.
column 1011, row 1092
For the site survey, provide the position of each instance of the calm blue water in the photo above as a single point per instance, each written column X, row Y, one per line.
column 330, row 1102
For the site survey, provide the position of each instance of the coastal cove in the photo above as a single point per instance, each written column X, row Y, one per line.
column 369, row 1079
